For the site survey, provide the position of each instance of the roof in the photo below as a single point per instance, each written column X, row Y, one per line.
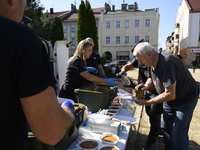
column 193, row 5
column 70, row 16
column 57, row 14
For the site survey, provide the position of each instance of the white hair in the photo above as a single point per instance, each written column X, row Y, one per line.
column 143, row 48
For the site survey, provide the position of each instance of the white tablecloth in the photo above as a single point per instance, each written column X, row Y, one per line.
column 123, row 135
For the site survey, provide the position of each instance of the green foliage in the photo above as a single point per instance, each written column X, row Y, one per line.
column 93, row 30
column 81, row 23
column 34, row 11
column 47, row 27
column 86, row 25
column 103, row 60
column 107, row 71
column 57, row 31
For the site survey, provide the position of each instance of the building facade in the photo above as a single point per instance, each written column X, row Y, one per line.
column 187, row 31
column 118, row 30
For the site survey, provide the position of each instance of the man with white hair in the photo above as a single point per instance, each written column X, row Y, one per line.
column 177, row 90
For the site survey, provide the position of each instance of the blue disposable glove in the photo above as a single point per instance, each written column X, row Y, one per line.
column 112, row 82
column 70, row 105
column 104, row 76
column 92, row 69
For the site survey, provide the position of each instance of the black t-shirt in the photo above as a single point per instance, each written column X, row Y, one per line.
column 25, row 71
column 171, row 69
column 145, row 74
column 73, row 78
column 94, row 60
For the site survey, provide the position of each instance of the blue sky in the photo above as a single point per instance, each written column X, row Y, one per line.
column 167, row 10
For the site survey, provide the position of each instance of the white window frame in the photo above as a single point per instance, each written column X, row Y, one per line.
column 146, row 38
column 73, row 28
column 107, row 25
column 137, row 39
column 64, row 29
column 137, row 23
column 118, row 24
column 118, row 40
column 127, row 39
column 73, row 41
column 127, row 24
column 107, row 40
column 147, row 23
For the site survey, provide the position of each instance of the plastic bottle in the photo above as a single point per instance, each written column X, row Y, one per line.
column 130, row 105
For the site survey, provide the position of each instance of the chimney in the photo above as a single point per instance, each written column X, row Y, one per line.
column 107, row 7
column 51, row 10
column 124, row 7
column 113, row 7
column 130, row 6
column 73, row 8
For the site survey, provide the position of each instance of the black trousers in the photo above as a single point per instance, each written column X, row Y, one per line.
column 154, row 112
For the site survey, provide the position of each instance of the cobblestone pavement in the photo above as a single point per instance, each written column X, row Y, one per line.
column 137, row 139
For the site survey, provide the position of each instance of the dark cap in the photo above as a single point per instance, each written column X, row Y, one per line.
column 26, row 19
column 136, row 45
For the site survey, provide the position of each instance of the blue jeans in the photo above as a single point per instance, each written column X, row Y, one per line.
column 175, row 125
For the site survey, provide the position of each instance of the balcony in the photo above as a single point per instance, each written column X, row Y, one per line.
column 177, row 25
column 177, row 36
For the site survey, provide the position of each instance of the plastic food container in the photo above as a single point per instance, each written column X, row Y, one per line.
column 109, row 138
column 98, row 98
column 105, row 147
column 130, row 107
column 88, row 144
column 97, row 118
column 115, row 107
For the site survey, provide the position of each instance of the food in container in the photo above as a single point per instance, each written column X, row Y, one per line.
column 114, row 107
column 88, row 144
column 112, row 111
column 115, row 104
column 108, row 147
column 109, row 138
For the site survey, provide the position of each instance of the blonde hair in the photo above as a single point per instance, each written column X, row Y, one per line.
column 80, row 50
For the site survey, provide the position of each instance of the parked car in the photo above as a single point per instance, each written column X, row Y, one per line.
column 107, row 62
column 119, row 63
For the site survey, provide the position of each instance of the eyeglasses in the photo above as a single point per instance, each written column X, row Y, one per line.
column 137, row 44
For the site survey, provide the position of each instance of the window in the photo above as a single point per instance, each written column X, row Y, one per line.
column 73, row 27
column 136, row 39
column 146, row 38
column 137, row 23
column 147, row 23
column 107, row 24
column 73, row 41
column 118, row 24
column 199, row 36
column 117, row 39
column 107, row 40
column 126, row 24
column 64, row 29
column 126, row 39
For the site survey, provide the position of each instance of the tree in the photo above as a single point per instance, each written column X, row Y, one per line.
column 34, row 11
column 93, row 30
column 57, row 31
column 81, row 23
column 88, row 7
